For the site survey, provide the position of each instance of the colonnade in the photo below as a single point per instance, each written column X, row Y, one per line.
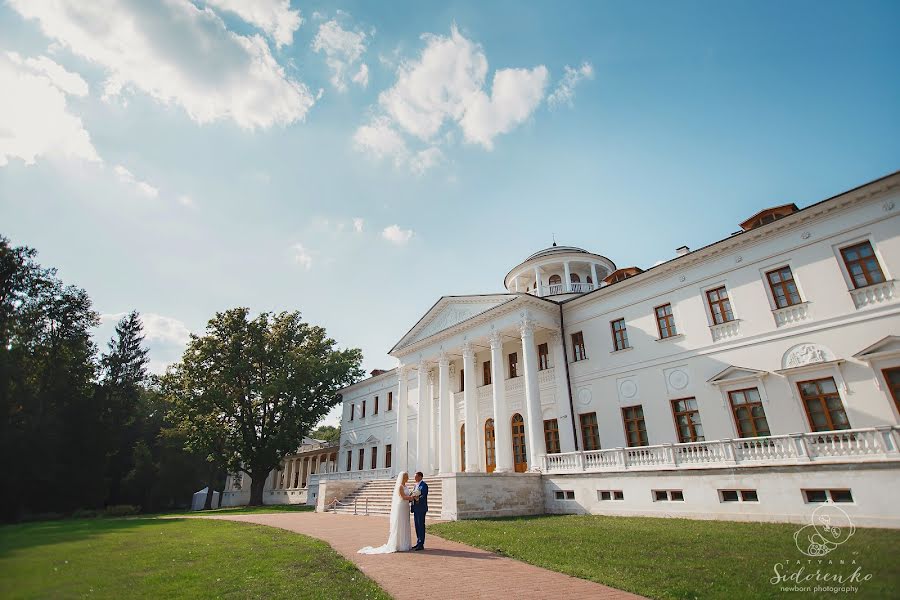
column 296, row 471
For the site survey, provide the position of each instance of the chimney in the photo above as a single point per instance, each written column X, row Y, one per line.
column 681, row 251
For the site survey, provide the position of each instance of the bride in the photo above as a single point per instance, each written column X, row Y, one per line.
column 398, row 535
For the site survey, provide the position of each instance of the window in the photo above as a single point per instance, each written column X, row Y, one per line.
column 668, row 496
column 362, row 413
column 551, row 436
column 635, row 429
column 665, row 321
column 862, row 265
column 687, row 420
column 610, row 495
column 749, row 416
column 462, row 380
column 738, row 496
column 352, row 411
column 578, row 346
column 387, row 456
column 555, row 280
column 486, row 372
column 390, row 400
column 620, row 335
column 349, row 459
column 513, row 365
column 719, row 305
column 574, row 278
column 590, row 432
column 375, row 411
column 520, row 459
column 565, row 495
column 892, row 378
column 823, row 405
column 543, row 357
column 374, row 461
column 817, row 496
column 490, row 447
column 362, row 456
column 784, row 288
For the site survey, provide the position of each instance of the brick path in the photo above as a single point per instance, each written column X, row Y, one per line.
column 446, row 569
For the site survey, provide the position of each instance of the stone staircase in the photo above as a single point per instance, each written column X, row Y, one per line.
column 374, row 498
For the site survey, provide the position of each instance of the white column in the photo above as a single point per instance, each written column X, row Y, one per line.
column 517, row 283
column 309, row 470
column 568, row 282
column 423, row 421
column 502, row 431
column 454, row 423
column 288, row 467
column 594, row 275
column 434, row 414
column 563, row 405
column 402, row 452
column 470, row 399
column 445, row 463
column 537, row 282
column 534, row 424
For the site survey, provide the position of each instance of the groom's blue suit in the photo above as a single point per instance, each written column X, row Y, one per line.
column 418, row 509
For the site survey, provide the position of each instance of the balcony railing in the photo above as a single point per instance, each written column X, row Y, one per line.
column 359, row 475
column 879, row 443
column 791, row 314
column 561, row 288
column 873, row 294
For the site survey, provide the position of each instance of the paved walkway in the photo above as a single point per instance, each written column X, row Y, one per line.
column 446, row 570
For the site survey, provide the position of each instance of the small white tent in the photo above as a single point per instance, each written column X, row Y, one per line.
column 200, row 499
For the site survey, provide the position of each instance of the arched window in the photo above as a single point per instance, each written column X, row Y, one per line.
column 520, row 460
column 462, row 447
column 555, row 280
column 574, row 278
column 490, row 453
column 589, row 280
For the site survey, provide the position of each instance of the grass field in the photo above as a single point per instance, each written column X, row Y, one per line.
column 679, row 558
column 171, row 558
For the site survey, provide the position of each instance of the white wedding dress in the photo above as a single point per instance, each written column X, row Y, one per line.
column 398, row 535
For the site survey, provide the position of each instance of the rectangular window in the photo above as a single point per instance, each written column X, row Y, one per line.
column 462, row 380
column 618, row 495
column 375, row 412
column 620, row 335
column 352, row 411
column 892, row 378
column 610, row 495
column 543, row 357
column 349, row 460
column 840, row 495
column 676, row 495
column 738, row 496
column 565, row 495
column 590, row 431
column 387, row 456
column 719, row 305
column 687, row 420
column 729, row 495
column 784, row 288
column 486, row 372
column 665, row 321
column 823, row 405
column 668, row 496
column 362, row 413
column 578, row 347
column 660, row 495
column 815, row 496
column 862, row 265
column 749, row 416
column 551, row 436
column 749, row 496
column 390, row 400
column 635, row 429
column 362, row 456
column 374, row 461
column 513, row 365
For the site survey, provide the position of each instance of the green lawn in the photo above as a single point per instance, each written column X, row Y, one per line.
column 171, row 558
column 679, row 558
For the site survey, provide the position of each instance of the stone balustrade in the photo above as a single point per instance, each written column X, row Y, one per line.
column 873, row 294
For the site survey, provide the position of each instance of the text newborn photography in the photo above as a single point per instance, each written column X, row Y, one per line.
column 346, row 300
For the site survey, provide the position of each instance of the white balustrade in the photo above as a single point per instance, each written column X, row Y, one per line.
column 791, row 314
column 360, row 475
column 873, row 294
column 724, row 331
column 882, row 443
column 546, row 377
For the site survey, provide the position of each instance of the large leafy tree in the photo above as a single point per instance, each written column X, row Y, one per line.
column 250, row 388
column 327, row 433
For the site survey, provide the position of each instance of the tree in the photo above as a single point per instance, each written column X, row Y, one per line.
column 327, row 433
column 249, row 389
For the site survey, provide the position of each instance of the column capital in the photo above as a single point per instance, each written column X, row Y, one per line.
column 443, row 360
column 526, row 327
column 468, row 350
column 403, row 370
column 556, row 336
column 496, row 340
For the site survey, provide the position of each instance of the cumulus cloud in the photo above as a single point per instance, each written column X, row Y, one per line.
column 302, row 256
column 564, row 94
column 343, row 49
column 358, row 225
column 157, row 328
column 446, row 85
column 35, row 119
column 125, row 176
column 178, row 54
column 275, row 17
column 395, row 235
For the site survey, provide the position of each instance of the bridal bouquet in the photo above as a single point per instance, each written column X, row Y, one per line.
column 416, row 494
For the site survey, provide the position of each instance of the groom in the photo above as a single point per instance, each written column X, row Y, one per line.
column 418, row 508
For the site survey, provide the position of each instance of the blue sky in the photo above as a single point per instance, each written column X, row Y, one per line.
column 357, row 160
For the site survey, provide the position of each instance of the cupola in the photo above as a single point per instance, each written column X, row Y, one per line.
column 559, row 271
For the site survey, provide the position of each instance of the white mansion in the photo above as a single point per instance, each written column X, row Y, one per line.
column 748, row 379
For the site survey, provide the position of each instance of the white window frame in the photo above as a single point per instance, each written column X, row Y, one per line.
column 773, row 265
column 708, row 288
column 743, row 383
column 852, row 241
column 816, row 371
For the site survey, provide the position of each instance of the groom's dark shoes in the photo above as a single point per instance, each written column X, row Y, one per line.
column 417, row 548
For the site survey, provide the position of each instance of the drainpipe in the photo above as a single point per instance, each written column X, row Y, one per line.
column 562, row 332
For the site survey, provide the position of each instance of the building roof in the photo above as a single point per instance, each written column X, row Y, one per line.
column 554, row 249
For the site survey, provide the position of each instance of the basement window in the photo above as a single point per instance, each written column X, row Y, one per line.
column 819, row 496
column 610, row 495
column 738, row 496
column 565, row 495
column 668, row 496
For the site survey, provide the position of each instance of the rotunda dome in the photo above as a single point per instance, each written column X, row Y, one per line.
column 559, row 271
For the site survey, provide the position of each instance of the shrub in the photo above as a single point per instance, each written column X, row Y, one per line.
column 47, row 516
column 122, row 510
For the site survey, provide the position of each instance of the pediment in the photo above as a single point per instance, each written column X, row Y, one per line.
column 886, row 347
column 735, row 374
column 371, row 440
column 448, row 312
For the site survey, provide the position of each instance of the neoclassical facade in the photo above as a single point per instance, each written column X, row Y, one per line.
column 752, row 378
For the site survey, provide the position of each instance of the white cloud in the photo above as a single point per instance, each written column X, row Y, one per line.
column 275, row 17
column 178, row 54
column 343, row 49
column 157, row 328
column 358, row 225
column 302, row 256
column 34, row 116
column 186, row 200
column 446, row 85
column 564, row 94
column 125, row 176
column 395, row 235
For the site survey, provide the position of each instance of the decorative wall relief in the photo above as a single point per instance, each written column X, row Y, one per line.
column 677, row 379
column 805, row 354
column 628, row 389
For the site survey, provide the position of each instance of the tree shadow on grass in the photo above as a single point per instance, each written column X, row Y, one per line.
column 22, row 536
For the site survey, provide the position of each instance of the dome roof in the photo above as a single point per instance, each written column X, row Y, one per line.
column 554, row 249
